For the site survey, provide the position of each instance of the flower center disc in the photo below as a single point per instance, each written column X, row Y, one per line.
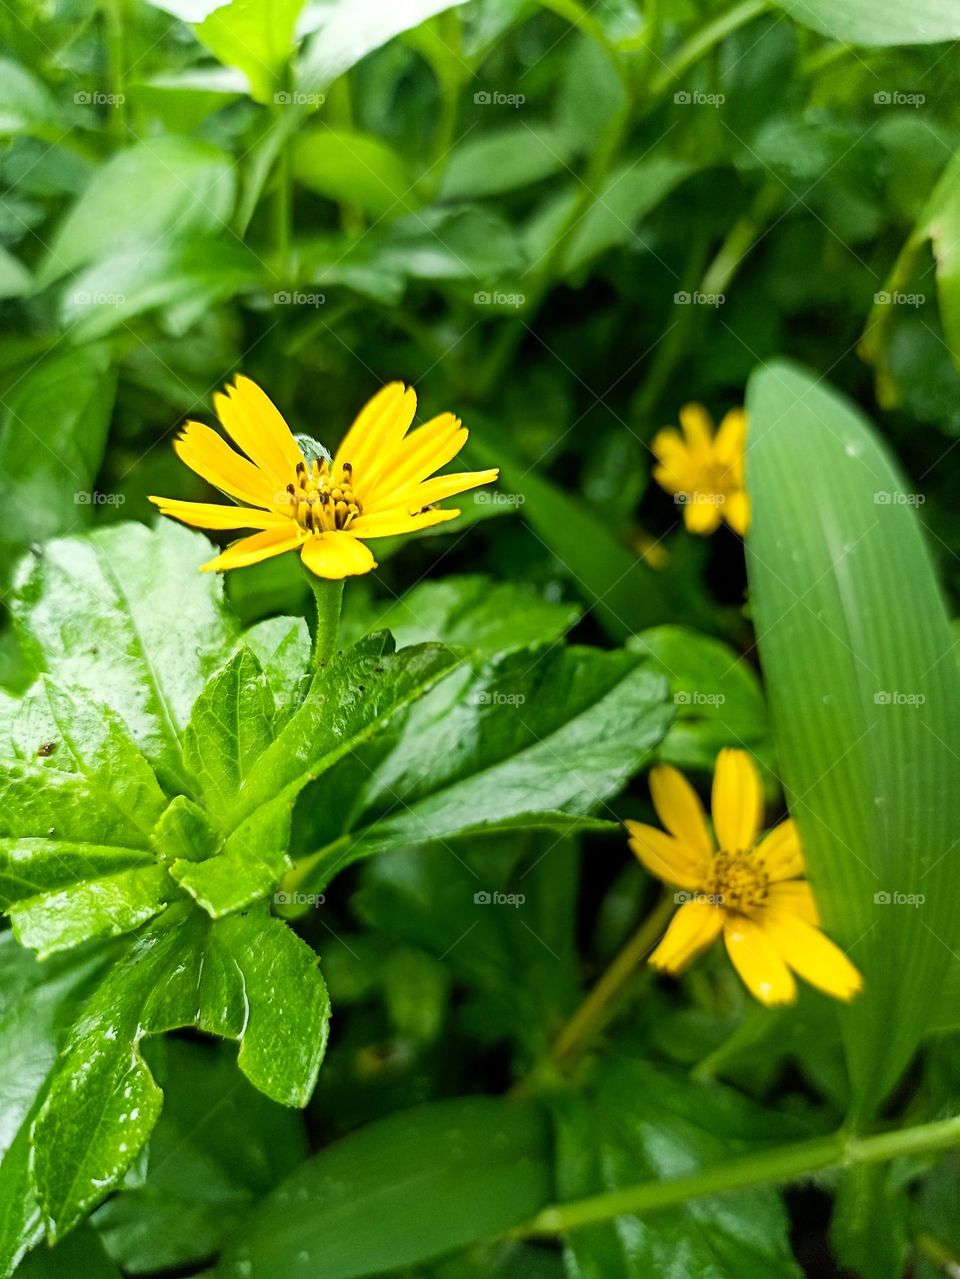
column 738, row 880
column 323, row 499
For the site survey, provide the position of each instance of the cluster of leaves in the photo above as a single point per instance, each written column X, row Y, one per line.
column 531, row 203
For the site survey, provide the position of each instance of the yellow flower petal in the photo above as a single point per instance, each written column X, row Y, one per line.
column 813, row 956
column 694, row 927
column 678, row 471
column 205, row 452
column 255, row 425
column 736, row 511
column 729, row 444
column 793, row 897
column 698, row 431
column 376, row 432
column 261, row 546
column 336, row 554
column 678, row 807
column 757, row 961
column 442, row 486
column 390, row 523
column 737, row 801
column 665, row 857
column 781, row 851
column 210, row 515
column 702, row 513
column 424, row 451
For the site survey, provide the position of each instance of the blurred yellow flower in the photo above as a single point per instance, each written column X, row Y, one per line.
column 751, row 892
column 704, row 469
column 299, row 498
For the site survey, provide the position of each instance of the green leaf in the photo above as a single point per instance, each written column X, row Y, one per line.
column 15, row 279
column 183, row 188
column 534, row 740
column 878, row 22
column 716, row 693
column 230, row 728
column 218, row 1146
column 625, row 592
column 37, row 1004
column 255, row 36
column 354, row 28
column 864, row 695
column 247, row 978
column 99, row 744
column 504, row 160
column 472, row 612
column 870, row 1228
column 401, row 1191
column 125, row 616
column 282, row 646
column 355, row 169
column 52, row 440
column 197, row 273
column 26, row 104
column 642, row 1123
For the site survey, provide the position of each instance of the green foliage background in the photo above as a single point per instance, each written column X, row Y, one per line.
column 562, row 221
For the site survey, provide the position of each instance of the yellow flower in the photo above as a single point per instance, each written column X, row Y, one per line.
column 299, row 498
column 751, row 892
column 704, row 469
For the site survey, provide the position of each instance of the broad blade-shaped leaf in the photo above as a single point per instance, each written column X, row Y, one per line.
column 879, row 21
column 864, row 693
column 400, row 1191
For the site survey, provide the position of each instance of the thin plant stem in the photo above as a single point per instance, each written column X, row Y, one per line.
column 328, row 598
column 602, row 1001
column 765, row 1168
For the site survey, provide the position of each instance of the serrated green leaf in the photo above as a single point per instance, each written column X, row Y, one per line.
column 103, row 751
column 246, row 978
column 400, row 1191
column 645, row 1123
column 37, row 1005
column 185, row 832
column 230, row 728
column 125, row 616
column 218, row 1146
column 864, row 695
column 534, row 740
column 282, row 646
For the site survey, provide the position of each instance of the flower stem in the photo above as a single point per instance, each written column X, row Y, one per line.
column 768, row 1167
column 325, row 627
column 600, row 1004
